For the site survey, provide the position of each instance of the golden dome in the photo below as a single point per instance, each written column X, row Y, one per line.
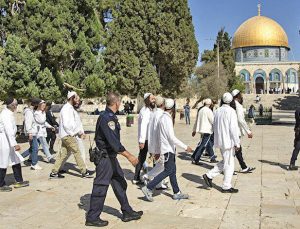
column 260, row 31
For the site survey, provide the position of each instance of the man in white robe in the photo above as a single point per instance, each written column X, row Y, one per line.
column 226, row 138
column 9, row 150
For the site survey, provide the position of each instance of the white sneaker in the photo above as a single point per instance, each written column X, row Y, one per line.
column 36, row 167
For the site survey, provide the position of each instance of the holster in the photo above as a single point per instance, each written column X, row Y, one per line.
column 97, row 154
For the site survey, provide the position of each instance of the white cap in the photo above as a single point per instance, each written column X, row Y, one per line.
column 71, row 93
column 146, row 95
column 169, row 104
column 227, row 98
column 207, row 101
column 235, row 92
column 42, row 101
column 159, row 100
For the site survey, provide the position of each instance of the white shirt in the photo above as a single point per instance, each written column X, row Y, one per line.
column 204, row 121
column 143, row 122
column 167, row 139
column 30, row 126
column 68, row 122
column 243, row 126
column 226, row 130
column 153, row 136
column 40, row 119
column 8, row 130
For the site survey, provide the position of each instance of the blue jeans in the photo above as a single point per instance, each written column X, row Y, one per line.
column 187, row 118
column 169, row 171
column 32, row 151
column 207, row 142
column 45, row 146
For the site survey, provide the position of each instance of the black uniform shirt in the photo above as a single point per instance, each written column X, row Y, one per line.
column 107, row 134
column 297, row 117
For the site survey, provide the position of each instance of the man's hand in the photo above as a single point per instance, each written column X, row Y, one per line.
column 30, row 137
column 17, row 148
column 141, row 145
column 83, row 136
column 156, row 156
column 250, row 135
column 53, row 129
column 237, row 148
column 193, row 133
column 132, row 159
column 189, row 149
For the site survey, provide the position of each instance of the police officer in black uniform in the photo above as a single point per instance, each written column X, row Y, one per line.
column 296, row 150
column 108, row 170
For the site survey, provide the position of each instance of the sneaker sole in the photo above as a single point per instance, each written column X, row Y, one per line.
column 147, row 196
column 22, row 186
column 131, row 219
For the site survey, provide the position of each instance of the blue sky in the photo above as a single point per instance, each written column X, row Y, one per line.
column 210, row 15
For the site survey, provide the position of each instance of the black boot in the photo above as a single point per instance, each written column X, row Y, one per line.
column 96, row 223
column 131, row 216
column 292, row 167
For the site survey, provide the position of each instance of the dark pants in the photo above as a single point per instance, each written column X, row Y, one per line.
column 51, row 137
column 187, row 118
column 207, row 142
column 142, row 159
column 295, row 152
column 169, row 171
column 108, row 171
column 239, row 156
column 17, row 174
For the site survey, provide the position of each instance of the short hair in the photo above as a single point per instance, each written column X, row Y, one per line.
column 112, row 98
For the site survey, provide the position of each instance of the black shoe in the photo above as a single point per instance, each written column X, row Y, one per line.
column 207, row 180
column 131, row 216
column 28, row 162
column 96, row 223
column 196, row 162
column 214, row 160
column 87, row 174
column 62, row 171
column 292, row 167
column 56, row 176
column 231, row 190
column 138, row 182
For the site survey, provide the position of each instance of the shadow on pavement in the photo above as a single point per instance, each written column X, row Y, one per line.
column 184, row 156
column 283, row 166
column 84, row 204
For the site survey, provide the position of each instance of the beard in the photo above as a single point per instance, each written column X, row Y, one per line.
column 152, row 105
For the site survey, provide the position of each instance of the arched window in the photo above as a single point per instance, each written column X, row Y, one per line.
column 245, row 75
column 275, row 75
column 291, row 76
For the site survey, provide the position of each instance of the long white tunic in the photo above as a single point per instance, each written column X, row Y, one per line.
column 243, row 126
column 226, row 130
column 8, row 130
column 143, row 123
column 167, row 138
column 30, row 126
column 68, row 121
column 204, row 121
column 153, row 136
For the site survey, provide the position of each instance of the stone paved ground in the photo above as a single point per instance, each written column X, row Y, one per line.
column 268, row 198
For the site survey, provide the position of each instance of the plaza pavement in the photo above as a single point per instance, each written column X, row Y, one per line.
column 267, row 198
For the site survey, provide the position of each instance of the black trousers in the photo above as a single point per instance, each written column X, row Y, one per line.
column 108, row 171
column 51, row 137
column 142, row 159
column 295, row 151
column 17, row 174
column 239, row 156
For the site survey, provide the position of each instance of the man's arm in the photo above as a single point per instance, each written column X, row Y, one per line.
column 233, row 129
column 144, row 126
column 241, row 120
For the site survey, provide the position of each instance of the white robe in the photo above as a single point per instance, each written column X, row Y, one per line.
column 153, row 134
column 8, row 130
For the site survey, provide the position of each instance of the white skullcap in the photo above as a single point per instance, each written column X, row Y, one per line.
column 227, row 98
column 207, row 101
column 235, row 92
column 42, row 101
column 169, row 104
column 159, row 100
column 71, row 93
column 146, row 95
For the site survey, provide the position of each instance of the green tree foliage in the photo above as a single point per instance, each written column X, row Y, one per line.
column 21, row 75
column 151, row 46
column 66, row 37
